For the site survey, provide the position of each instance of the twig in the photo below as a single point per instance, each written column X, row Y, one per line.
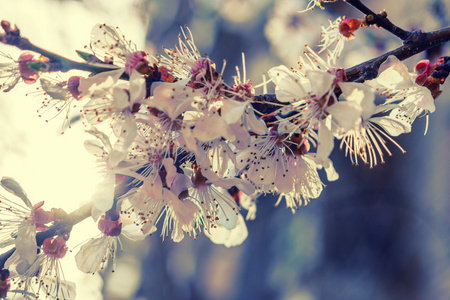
column 418, row 42
column 380, row 20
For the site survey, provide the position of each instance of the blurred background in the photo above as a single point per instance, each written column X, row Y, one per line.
column 379, row 233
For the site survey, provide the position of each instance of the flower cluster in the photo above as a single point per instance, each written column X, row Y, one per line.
column 182, row 149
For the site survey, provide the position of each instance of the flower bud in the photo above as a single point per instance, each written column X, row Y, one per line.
column 41, row 217
column 72, row 86
column 28, row 74
column 348, row 26
column 55, row 247
column 110, row 224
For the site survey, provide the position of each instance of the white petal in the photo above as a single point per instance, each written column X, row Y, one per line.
column 392, row 125
column 346, row 113
column 212, row 127
column 53, row 90
column 137, row 87
column 101, row 81
column 392, row 74
column 229, row 237
column 321, row 81
column 26, row 243
column 101, row 136
column 255, row 124
column 127, row 134
column 104, row 194
column 12, row 186
column 362, row 94
column 325, row 143
column 232, row 111
column 91, row 255
column 287, row 85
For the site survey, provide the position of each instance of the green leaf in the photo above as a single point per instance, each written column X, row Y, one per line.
column 87, row 57
column 38, row 66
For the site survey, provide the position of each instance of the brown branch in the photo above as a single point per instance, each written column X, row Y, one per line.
column 12, row 37
column 418, row 42
column 379, row 20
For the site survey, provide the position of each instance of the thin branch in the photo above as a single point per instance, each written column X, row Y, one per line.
column 380, row 20
column 12, row 37
column 418, row 42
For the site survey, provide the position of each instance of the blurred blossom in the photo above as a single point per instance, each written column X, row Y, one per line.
column 288, row 31
column 125, row 280
column 205, row 6
column 417, row 16
column 241, row 11
column 161, row 15
column 204, row 30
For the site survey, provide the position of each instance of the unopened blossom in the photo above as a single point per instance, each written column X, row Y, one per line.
column 337, row 33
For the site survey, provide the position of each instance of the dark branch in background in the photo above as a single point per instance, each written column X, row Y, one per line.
column 379, row 20
column 417, row 43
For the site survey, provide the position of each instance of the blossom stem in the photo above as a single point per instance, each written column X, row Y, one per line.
column 80, row 214
column 58, row 63
column 380, row 20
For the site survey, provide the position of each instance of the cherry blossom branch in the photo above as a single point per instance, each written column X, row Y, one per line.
column 418, row 42
column 12, row 37
column 379, row 20
column 73, row 218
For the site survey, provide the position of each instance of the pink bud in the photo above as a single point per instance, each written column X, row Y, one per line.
column 40, row 217
column 55, row 247
column 29, row 76
column 348, row 26
column 110, row 224
column 72, row 85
